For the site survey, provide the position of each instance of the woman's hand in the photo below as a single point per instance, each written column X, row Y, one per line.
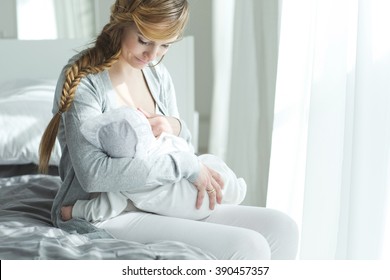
column 160, row 123
column 208, row 182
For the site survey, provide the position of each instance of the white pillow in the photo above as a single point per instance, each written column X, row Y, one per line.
column 25, row 111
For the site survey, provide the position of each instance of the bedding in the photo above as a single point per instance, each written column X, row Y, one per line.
column 25, row 110
column 26, row 231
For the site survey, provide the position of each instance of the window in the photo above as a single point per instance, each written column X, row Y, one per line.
column 36, row 19
column 55, row 19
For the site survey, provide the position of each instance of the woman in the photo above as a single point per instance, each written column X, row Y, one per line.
column 120, row 70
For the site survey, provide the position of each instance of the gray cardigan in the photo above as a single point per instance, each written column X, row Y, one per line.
column 84, row 169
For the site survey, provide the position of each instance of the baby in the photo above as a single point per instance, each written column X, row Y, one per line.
column 134, row 138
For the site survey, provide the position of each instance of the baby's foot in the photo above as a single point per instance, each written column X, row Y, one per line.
column 242, row 191
column 234, row 193
column 66, row 213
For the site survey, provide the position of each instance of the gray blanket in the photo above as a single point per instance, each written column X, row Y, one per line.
column 26, row 231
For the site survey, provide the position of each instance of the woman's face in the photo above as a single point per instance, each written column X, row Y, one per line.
column 139, row 51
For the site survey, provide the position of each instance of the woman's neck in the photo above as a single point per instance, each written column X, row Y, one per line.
column 131, row 87
column 124, row 69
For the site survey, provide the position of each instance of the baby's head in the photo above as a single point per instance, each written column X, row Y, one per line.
column 122, row 132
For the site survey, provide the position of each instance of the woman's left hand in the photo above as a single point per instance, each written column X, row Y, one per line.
column 209, row 181
column 160, row 123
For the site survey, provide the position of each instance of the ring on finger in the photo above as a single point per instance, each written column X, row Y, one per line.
column 212, row 190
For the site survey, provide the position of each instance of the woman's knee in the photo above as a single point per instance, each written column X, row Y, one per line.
column 283, row 236
column 250, row 245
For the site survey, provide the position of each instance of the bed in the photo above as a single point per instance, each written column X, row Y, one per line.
column 27, row 80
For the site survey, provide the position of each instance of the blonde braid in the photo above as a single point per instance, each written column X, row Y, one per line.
column 73, row 76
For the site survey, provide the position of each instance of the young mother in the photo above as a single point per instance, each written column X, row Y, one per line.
column 120, row 70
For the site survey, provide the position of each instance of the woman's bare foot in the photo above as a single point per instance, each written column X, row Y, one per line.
column 66, row 213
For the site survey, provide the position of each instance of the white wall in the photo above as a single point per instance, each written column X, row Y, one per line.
column 8, row 27
column 200, row 27
column 103, row 8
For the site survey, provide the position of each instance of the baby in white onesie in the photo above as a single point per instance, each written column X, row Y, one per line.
column 126, row 132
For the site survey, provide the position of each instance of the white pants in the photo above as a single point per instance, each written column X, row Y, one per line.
column 230, row 232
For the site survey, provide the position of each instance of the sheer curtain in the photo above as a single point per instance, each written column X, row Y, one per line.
column 330, row 155
column 245, row 40
column 75, row 18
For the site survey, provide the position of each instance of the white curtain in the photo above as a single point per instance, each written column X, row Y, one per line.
column 330, row 159
column 75, row 18
column 245, row 40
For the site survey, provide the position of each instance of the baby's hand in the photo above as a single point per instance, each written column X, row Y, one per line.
column 66, row 213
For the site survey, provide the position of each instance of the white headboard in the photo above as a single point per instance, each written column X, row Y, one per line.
column 24, row 59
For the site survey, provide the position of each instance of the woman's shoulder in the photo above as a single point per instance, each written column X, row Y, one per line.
column 92, row 78
column 95, row 85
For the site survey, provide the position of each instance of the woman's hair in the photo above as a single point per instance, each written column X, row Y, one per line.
column 155, row 19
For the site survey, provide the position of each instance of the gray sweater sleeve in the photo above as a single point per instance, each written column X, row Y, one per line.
column 98, row 172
